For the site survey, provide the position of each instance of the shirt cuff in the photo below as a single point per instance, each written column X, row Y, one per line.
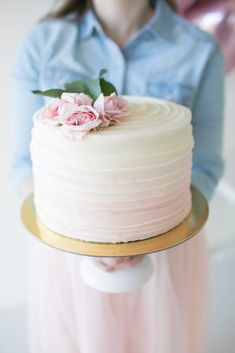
column 204, row 183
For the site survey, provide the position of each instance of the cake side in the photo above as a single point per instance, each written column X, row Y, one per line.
column 128, row 182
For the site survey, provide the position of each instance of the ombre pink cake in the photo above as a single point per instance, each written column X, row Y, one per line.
column 127, row 182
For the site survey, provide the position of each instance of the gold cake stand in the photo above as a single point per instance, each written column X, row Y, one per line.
column 186, row 230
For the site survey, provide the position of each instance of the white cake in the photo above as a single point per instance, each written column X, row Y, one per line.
column 126, row 182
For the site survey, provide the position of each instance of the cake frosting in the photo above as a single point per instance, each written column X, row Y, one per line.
column 127, row 182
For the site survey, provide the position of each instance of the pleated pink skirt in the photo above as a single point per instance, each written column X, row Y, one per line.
column 167, row 315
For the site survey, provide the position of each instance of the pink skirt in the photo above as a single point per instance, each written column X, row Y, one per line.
column 167, row 315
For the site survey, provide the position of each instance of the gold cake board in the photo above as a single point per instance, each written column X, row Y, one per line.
column 186, row 230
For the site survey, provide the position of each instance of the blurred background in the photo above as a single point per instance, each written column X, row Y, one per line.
column 218, row 17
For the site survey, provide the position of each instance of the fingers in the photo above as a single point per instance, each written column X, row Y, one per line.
column 132, row 261
column 112, row 264
column 26, row 188
column 108, row 264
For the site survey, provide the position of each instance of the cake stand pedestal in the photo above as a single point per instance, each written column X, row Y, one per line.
column 121, row 280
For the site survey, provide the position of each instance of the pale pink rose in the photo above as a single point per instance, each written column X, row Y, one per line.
column 111, row 107
column 77, row 98
column 51, row 113
column 79, row 120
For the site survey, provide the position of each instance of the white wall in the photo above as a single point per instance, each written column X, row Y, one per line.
column 15, row 18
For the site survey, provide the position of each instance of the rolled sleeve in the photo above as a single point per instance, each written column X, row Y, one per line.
column 208, row 116
column 25, row 78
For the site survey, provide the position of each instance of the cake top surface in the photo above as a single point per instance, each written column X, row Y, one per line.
column 143, row 115
column 148, row 113
column 153, row 131
column 88, row 107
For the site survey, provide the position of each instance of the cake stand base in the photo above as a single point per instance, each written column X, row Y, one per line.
column 102, row 280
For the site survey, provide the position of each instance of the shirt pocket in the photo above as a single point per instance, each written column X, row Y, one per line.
column 175, row 92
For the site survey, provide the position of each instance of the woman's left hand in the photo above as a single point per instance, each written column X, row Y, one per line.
column 109, row 264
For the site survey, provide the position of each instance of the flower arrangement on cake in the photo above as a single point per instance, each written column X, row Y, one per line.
column 83, row 106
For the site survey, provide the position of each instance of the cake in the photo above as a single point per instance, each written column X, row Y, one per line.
column 124, row 182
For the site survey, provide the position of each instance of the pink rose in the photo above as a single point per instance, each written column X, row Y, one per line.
column 78, row 120
column 51, row 113
column 110, row 107
column 77, row 98
column 76, row 115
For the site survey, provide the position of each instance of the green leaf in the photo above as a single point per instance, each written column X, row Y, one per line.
column 90, row 87
column 107, row 88
column 102, row 73
column 55, row 93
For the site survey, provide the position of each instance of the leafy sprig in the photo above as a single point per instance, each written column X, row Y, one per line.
column 91, row 87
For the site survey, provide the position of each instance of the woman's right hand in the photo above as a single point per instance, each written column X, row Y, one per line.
column 26, row 188
column 109, row 264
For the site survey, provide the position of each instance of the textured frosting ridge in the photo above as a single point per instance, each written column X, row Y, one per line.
column 127, row 182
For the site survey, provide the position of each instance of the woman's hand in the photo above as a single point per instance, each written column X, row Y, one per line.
column 26, row 188
column 109, row 264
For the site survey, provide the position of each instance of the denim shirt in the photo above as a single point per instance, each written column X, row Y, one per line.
column 168, row 58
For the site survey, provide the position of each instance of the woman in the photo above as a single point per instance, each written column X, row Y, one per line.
column 148, row 50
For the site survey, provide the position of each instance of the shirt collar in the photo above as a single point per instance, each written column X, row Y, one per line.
column 161, row 24
column 89, row 24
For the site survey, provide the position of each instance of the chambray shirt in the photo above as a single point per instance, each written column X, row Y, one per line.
column 168, row 58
